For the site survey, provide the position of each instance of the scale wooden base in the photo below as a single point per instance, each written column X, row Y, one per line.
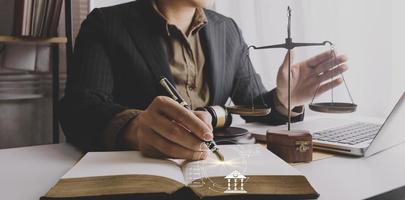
column 292, row 146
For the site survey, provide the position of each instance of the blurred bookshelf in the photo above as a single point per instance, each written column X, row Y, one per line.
column 40, row 36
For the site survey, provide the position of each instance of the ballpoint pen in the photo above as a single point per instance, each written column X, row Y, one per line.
column 176, row 96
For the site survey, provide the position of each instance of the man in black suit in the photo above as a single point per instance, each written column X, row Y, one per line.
column 113, row 99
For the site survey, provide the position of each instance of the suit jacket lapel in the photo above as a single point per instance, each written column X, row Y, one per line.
column 211, row 40
column 149, row 40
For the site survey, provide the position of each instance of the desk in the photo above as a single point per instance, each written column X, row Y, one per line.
column 343, row 177
column 27, row 173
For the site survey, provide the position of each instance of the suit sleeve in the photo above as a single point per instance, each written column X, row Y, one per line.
column 248, row 85
column 88, row 105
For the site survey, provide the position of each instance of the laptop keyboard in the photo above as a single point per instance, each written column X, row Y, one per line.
column 352, row 134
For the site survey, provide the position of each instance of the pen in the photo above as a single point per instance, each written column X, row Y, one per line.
column 176, row 96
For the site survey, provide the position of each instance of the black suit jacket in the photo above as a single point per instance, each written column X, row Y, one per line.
column 119, row 55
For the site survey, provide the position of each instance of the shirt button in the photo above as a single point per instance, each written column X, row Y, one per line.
column 191, row 87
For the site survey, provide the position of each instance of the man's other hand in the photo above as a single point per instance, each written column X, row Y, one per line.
column 308, row 75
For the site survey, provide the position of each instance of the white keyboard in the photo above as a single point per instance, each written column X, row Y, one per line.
column 352, row 134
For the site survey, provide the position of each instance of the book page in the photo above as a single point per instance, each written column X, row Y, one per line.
column 95, row 164
column 249, row 160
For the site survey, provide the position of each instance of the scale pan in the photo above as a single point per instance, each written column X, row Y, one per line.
column 335, row 107
column 249, row 110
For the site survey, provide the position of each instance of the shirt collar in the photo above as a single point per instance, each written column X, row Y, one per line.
column 198, row 22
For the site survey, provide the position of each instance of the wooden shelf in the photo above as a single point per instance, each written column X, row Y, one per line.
column 32, row 40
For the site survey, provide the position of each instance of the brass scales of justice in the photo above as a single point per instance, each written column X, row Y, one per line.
column 326, row 107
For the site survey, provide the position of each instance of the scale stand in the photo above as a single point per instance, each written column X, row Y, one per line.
column 289, row 45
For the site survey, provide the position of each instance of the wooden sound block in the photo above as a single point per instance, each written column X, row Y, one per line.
column 291, row 146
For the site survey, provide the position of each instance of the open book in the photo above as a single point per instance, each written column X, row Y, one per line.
column 248, row 172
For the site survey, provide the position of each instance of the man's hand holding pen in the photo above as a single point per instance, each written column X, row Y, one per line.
column 166, row 129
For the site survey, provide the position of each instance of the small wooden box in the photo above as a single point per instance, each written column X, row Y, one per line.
column 291, row 146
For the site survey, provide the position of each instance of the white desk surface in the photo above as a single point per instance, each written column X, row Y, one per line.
column 27, row 173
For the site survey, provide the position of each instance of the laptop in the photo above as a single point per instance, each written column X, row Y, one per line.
column 358, row 138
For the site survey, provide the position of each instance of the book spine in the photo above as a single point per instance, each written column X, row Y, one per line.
column 37, row 17
column 41, row 17
column 48, row 17
column 26, row 15
column 29, row 17
column 55, row 18
column 18, row 17
column 33, row 17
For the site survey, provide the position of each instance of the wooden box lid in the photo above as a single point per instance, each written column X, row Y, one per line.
column 287, row 138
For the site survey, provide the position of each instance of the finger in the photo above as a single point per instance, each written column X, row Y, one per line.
column 162, row 146
column 150, row 151
column 329, row 85
column 144, row 139
column 174, row 132
column 318, row 59
column 145, row 148
column 205, row 117
column 284, row 66
column 330, row 63
column 185, row 117
column 332, row 73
